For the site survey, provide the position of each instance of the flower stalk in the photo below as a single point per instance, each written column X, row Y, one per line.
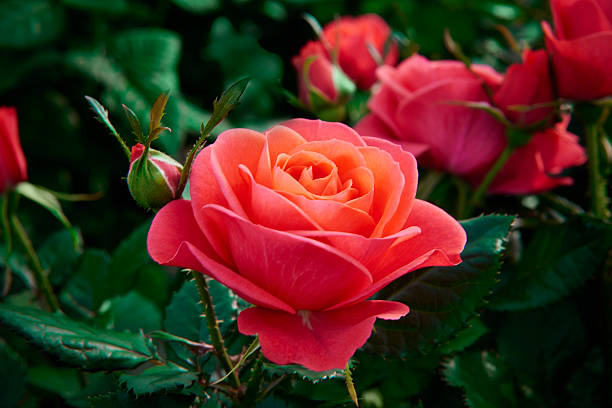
column 213, row 326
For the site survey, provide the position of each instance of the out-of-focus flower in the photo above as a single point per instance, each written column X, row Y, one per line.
column 13, row 167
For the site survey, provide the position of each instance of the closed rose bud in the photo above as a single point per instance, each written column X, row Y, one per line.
column 153, row 180
column 12, row 161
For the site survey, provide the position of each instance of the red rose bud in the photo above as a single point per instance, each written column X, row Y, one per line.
column 580, row 47
column 12, row 161
column 323, row 87
column 154, row 179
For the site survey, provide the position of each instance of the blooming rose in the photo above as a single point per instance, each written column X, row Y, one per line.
column 581, row 47
column 12, row 161
column 418, row 105
column 306, row 221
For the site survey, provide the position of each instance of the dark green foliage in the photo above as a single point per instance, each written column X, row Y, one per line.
column 76, row 343
column 158, row 377
column 558, row 260
column 12, row 376
column 442, row 299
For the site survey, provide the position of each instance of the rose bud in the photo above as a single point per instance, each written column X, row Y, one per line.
column 153, row 177
column 580, row 47
column 323, row 87
column 12, row 161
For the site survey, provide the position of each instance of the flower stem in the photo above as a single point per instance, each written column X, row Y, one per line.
column 597, row 181
column 486, row 182
column 41, row 279
column 213, row 326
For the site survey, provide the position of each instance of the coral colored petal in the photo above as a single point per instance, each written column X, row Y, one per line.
column 174, row 239
column 318, row 130
column 335, row 216
column 279, row 139
column 304, row 273
column 408, row 166
column 272, row 210
column 317, row 340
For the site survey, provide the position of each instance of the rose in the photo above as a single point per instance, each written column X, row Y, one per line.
column 526, row 93
column 580, row 47
column 305, row 221
column 322, row 85
column 153, row 179
column 419, row 106
column 352, row 40
column 13, row 167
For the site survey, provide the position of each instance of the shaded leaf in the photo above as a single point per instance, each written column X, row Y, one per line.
column 127, row 400
column 62, row 381
column 442, row 299
column 466, row 337
column 558, row 259
column 29, row 23
column 303, row 373
column 197, row 6
column 131, row 312
column 12, row 376
column 484, row 377
column 157, row 378
column 77, row 343
column 89, row 284
column 106, row 6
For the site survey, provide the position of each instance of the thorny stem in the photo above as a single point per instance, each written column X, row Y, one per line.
column 187, row 167
column 213, row 326
column 41, row 279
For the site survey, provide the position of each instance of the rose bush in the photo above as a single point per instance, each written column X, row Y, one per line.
column 13, row 168
column 419, row 106
column 580, row 47
column 306, row 221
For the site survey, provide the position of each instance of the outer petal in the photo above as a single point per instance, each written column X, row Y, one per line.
column 371, row 125
column 175, row 239
column 317, row 340
column 12, row 161
column 316, row 130
column 579, row 18
column 439, row 244
column 530, row 168
column 582, row 66
column 306, row 274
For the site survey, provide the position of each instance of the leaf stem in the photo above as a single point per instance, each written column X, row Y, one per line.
column 597, row 181
column 41, row 279
column 486, row 182
column 213, row 326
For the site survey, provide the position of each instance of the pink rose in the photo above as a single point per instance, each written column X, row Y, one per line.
column 418, row 106
column 315, row 74
column 306, row 221
column 581, row 47
column 13, row 167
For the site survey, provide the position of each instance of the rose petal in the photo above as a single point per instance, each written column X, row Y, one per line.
column 174, row 239
column 578, row 18
column 305, row 273
column 13, row 167
column 318, row 130
column 317, row 340
column 279, row 139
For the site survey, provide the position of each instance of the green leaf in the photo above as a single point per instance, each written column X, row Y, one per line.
column 158, row 378
column 29, row 23
column 303, row 373
column 197, row 6
column 224, row 104
column 129, row 258
column 12, row 376
column 134, row 124
column 62, row 381
column 131, row 312
column 89, row 284
column 443, row 299
column 466, row 337
column 557, row 260
column 77, row 343
column 484, row 377
column 47, row 200
column 102, row 114
column 128, row 400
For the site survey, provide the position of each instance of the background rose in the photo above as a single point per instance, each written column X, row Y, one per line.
column 580, row 47
column 418, row 105
column 12, row 161
column 314, row 71
column 306, row 221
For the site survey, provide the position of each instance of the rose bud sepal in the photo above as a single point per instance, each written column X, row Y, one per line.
column 153, row 177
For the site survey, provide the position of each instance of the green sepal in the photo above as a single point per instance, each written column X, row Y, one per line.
column 134, row 124
column 147, row 182
column 228, row 100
